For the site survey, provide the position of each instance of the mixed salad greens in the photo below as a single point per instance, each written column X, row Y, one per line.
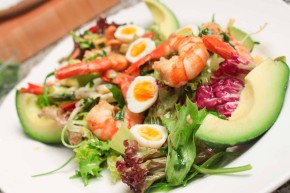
column 133, row 100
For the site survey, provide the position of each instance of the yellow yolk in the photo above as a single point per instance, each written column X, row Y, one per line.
column 150, row 133
column 138, row 48
column 143, row 91
column 128, row 30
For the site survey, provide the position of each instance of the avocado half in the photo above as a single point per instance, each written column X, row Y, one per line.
column 260, row 104
column 39, row 128
column 163, row 16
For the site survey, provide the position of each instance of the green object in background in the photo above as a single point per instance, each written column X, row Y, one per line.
column 8, row 76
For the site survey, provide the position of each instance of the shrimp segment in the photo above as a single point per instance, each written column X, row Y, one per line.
column 113, row 61
column 122, row 80
column 178, row 70
column 190, row 61
column 102, row 123
column 225, row 50
column 101, row 120
column 159, row 52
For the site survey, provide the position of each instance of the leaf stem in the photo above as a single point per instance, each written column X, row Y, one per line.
column 55, row 170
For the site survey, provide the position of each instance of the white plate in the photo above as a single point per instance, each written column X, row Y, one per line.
column 22, row 157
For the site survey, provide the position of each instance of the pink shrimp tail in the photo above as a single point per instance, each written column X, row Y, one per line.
column 159, row 52
column 82, row 68
column 216, row 45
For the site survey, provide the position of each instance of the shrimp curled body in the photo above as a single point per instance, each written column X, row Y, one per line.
column 190, row 61
column 101, row 120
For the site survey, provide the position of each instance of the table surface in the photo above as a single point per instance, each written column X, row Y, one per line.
column 27, row 65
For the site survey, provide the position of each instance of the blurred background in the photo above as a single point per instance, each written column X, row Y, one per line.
column 29, row 29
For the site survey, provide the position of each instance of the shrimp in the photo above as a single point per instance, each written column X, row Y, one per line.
column 190, row 61
column 213, row 27
column 227, row 50
column 101, row 120
column 102, row 123
column 112, row 61
column 179, row 69
column 131, row 118
column 122, row 80
column 230, row 50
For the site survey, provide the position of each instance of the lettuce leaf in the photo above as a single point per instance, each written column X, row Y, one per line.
column 181, row 142
column 90, row 156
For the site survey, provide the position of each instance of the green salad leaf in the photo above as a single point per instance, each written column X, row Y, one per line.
column 117, row 94
column 111, row 162
column 91, row 156
column 181, row 142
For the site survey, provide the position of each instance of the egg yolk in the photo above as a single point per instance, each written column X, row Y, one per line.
column 128, row 30
column 138, row 48
column 150, row 133
column 144, row 90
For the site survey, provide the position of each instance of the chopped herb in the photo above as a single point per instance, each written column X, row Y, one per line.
column 205, row 31
column 89, row 103
column 104, row 53
column 117, row 94
column 120, row 115
column 101, row 45
column 226, row 39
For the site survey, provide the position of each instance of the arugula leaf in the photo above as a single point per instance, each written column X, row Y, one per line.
column 120, row 115
column 222, row 170
column 218, row 160
column 89, row 103
column 181, row 145
column 117, row 94
column 181, row 142
column 90, row 156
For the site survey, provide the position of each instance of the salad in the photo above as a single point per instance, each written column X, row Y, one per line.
column 156, row 106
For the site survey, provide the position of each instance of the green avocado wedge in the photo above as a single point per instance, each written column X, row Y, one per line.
column 260, row 104
column 163, row 17
column 39, row 128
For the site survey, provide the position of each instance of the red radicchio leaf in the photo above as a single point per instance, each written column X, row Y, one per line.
column 229, row 68
column 223, row 95
column 102, row 24
column 130, row 169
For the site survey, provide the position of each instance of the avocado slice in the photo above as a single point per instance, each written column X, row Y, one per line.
column 39, row 128
column 163, row 17
column 260, row 104
column 242, row 37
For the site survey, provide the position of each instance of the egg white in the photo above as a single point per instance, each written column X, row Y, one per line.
column 150, row 46
column 145, row 142
column 136, row 106
column 128, row 37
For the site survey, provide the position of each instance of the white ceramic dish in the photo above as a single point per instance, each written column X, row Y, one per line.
column 21, row 157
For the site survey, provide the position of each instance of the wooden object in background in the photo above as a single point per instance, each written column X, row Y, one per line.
column 32, row 31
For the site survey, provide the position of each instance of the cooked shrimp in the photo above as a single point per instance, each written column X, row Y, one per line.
column 122, row 80
column 213, row 27
column 178, row 70
column 109, row 33
column 101, row 120
column 227, row 50
column 112, row 61
column 102, row 123
column 132, row 119
column 190, row 61
column 230, row 50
